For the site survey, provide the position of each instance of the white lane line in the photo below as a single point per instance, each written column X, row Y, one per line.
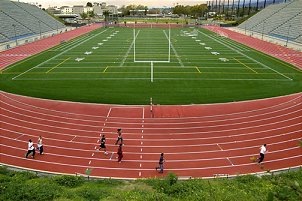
column 219, row 147
column 228, row 114
column 158, row 123
column 19, row 136
column 230, row 161
column 89, row 163
column 57, row 55
column 111, row 155
column 73, row 138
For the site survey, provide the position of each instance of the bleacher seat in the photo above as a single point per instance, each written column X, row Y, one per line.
column 21, row 19
column 281, row 20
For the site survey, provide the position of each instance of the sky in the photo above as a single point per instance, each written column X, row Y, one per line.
column 149, row 3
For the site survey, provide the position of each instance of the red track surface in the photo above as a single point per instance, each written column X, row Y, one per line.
column 198, row 140
column 283, row 53
column 14, row 55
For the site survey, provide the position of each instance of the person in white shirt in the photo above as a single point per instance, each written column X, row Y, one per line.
column 30, row 149
column 40, row 145
column 262, row 152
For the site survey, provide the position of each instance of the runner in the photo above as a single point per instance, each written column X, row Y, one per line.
column 119, row 140
column 161, row 163
column 30, row 149
column 103, row 144
column 120, row 153
column 40, row 145
column 262, row 152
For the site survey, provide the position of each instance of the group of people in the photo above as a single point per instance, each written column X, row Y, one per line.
column 32, row 150
column 120, row 142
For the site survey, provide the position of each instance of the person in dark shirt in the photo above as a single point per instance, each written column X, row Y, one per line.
column 161, row 163
column 120, row 153
column 119, row 137
column 103, row 144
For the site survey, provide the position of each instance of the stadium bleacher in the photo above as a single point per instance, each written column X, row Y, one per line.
column 21, row 19
column 281, row 20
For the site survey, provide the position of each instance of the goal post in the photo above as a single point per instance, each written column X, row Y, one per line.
column 168, row 36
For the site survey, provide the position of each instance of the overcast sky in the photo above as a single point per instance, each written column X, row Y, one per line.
column 150, row 3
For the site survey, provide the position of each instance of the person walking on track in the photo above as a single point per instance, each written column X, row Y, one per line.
column 40, row 145
column 103, row 144
column 263, row 150
column 120, row 153
column 161, row 163
column 30, row 149
column 119, row 140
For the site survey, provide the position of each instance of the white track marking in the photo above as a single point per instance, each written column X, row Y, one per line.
column 246, row 55
column 219, row 147
column 73, row 138
column 162, row 140
column 57, row 55
column 230, row 161
column 111, row 156
column 245, row 112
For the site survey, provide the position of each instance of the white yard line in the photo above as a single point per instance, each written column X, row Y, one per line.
column 57, row 55
column 245, row 55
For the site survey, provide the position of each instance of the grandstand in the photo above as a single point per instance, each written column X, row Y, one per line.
column 281, row 20
column 20, row 20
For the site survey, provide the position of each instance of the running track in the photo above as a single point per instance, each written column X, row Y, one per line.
column 198, row 140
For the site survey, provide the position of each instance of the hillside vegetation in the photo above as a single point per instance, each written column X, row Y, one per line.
column 27, row 186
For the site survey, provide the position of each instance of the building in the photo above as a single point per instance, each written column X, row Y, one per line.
column 66, row 10
column 78, row 9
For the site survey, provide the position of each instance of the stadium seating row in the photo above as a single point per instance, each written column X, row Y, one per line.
column 21, row 20
column 280, row 20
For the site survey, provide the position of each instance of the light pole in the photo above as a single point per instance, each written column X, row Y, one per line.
column 287, row 35
column 263, row 29
column 15, row 34
column 40, row 29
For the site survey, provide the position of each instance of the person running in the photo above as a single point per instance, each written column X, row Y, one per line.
column 161, row 163
column 103, row 144
column 120, row 153
column 40, row 145
column 263, row 150
column 119, row 140
column 30, row 149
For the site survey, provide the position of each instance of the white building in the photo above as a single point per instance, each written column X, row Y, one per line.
column 78, row 9
column 66, row 10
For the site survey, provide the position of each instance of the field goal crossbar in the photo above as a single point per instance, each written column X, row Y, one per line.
column 151, row 61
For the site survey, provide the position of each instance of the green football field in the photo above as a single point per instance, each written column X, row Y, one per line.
column 174, row 66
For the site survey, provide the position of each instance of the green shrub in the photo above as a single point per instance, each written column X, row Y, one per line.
column 171, row 178
column 68, row 181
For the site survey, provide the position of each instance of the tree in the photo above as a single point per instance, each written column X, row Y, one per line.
column 83, row 15
column 89, row 4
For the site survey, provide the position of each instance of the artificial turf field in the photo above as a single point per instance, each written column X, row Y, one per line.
column 174, row 66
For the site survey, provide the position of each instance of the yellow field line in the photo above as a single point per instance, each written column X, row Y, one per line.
column 105, row 69
column 197, row 69
column 245, row 65
column 58, row 65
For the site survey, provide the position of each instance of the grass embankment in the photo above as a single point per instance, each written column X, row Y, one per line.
column 27, row 186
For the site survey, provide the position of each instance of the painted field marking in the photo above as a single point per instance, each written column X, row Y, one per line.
column 174, row 50
column 245, row 55
column 151, row 71
column 57, row 55
column 198, row 69
column 245, row 65
column 58, row 65
column 128, row 51
column 19, row 137
column 105, row 69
